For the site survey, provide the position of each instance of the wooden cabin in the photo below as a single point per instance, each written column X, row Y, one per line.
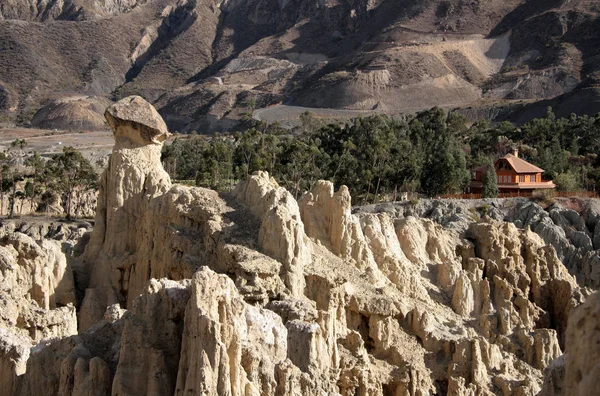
column 514, row 175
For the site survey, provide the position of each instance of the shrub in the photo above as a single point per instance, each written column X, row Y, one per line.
column 484, row 209
column 544, row 198
column 566, row 181
column 474, row 214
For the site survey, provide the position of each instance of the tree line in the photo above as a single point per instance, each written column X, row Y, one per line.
column 27, row 176
column 378, row 156
column 431, row 152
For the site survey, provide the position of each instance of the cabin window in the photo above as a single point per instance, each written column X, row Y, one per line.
column 507, row 179
column 532, row 178
column 499, row 178
column 521, row 178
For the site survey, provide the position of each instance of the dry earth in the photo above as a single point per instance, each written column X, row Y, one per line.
column 95, row 145
column 51, row 142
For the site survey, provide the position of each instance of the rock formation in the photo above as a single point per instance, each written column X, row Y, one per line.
column 583, row 354
column 37, row 300
column 133, row 177
column 281, row 233
column 192, row 292
column 570, row 225
column 572, row 234
column 576, row 372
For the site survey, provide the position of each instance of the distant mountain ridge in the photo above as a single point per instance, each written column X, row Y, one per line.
column 206, row 64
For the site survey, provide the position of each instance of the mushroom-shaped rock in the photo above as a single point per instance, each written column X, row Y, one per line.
column 133, row 178
column 135, row 121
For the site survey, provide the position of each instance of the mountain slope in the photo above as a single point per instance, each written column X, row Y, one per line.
column 205, row 64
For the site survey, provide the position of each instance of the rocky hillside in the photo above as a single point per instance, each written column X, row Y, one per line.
column 181, row 290
column 570, row 225
column 207, row 64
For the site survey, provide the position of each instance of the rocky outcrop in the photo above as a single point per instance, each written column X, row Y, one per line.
column 137, row 207
column 576, row 372
column 571, row 234
column 569, row 225
column 133, row 177
column 188, row 291
column 329, row 222
column 83, row 204
column 37, row 301
column 151, row 341
column 281, row 233
column 229, row 347
column 526, row 281
column 582, row 359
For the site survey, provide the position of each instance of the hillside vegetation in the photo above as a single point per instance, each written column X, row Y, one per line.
column 376, row 156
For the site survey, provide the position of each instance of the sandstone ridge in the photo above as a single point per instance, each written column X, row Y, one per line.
column 192, row 292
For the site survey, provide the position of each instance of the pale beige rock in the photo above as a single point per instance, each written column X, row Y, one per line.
column 328, row 221
column 91, row 378
column 14, row 352
column 381, row 239
column 344, row 334
column 79, row 365
column 582, row 361
column 133, row 351
column 136, row 184
column 36, row 301
column 463, row 299
column 39, row 271
column 528, row 280
column 220, row 330
column 306, row 346
column 133, row 178
column 424, row 241
column 554, row 378
column 281, row 234
column 151, row 339
column 262, row 295
column 134, row 111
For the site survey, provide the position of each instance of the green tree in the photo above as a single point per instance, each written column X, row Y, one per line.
column 4, row 179
column 215, row 168
column 14, row 172
column 567, row 181
column 300, row 165
column 71, row 172
column 308, row 123
column 490, row 184
column 255, row 150
column 445, row 169
column 377, row 155
column 35, row 176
